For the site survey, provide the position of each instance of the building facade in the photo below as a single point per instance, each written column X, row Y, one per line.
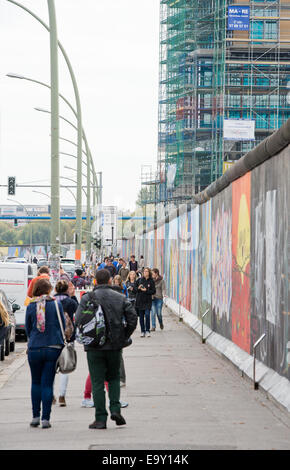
column 224, row 86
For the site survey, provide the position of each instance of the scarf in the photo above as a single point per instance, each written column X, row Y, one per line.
column 40, row 310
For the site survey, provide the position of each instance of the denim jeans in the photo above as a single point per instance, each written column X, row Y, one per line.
column 144, row 325
column 42, row 363
column 156, row 310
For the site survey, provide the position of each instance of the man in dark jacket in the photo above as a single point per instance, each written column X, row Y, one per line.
column 104, row 361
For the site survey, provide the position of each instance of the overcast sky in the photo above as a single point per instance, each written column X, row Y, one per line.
column 114, row 50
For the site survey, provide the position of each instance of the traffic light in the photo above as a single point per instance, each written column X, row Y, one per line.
column 11, row 185
column 15, row 223
column 98, row 243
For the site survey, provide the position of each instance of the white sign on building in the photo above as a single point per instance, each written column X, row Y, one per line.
column 239, row 129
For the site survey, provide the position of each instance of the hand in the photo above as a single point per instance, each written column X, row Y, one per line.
column 71, row 289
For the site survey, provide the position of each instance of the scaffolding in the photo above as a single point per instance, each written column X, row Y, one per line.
column 210, row 73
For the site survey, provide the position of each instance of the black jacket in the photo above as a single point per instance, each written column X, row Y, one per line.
column 116, row 309
column 144, row 299
column 69, row 305
column 131, row 292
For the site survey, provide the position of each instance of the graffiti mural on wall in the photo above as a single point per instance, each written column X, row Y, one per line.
column 241, row 241
column 194, row 260
column 185, row 244
column 238, row 262
column 173, row 258
column 222, row 262
column 205, row 259
column 269, row 260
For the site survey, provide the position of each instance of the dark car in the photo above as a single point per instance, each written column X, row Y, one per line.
column 7, row 341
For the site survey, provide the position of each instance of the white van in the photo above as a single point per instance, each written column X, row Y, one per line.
column 14, row 281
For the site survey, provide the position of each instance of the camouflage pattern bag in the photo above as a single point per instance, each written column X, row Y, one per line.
column 91, row 328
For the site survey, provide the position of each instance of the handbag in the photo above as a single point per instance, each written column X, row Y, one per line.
column 67, row 360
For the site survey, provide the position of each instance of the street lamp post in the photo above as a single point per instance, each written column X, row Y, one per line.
column 79, row 119
column 55, row 205
column 89, row 159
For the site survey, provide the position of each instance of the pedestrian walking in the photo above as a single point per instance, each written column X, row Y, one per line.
column 133, row 264
column 45, row 342
column 111, row 268
column 4, row 326
column 124, row 270
column 63, row 274
column 119, row 285
column 157, row 300
column 131, row 284
column 145, row 291
column 104, row 360
column 43, row 272
column 79, row 280
column 70, row 306
column 87, row 401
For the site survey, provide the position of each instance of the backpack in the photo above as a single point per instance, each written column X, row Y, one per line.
column 91, row 328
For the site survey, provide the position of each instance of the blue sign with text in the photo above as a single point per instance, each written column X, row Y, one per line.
column 238, row 18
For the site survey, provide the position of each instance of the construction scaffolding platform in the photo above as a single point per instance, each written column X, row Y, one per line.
column 210, row 75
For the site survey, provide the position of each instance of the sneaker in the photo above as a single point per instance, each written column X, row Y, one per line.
column 123, row 404
column 148, row 334
column 87, row 403
column 35, row 422
column 142, row 335
column 45, row 424
column 61, row 401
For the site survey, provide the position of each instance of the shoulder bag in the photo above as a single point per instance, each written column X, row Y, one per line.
column 67, row 360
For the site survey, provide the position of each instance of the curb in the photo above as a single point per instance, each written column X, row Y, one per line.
column 270, row 382
column 12, row 368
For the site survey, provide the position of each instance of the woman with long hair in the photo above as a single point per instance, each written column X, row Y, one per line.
column 4, row 324
column 145, row 289
column 70, row 305
column 131, row 284
column 45, row 342
column 119, row 285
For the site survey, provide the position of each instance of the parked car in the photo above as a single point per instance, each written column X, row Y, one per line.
column 7, row 343
column 42, row 262
column 16, row 260
column 14, row 281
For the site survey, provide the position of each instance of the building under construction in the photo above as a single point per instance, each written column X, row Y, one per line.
column 224, row 86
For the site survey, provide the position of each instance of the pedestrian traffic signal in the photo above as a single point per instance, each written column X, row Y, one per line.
column 11, row 185
column 98, row 243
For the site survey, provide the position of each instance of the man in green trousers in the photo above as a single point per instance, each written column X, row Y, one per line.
column 104, row 361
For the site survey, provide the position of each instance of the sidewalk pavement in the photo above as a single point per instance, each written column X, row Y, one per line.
column 181, row 395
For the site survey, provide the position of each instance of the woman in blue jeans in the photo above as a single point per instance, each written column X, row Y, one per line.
column 145, row 289
column 157, row 301
column 45, row 343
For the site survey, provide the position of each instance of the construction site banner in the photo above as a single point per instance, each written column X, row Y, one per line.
column 238, row 18
column 239, row 129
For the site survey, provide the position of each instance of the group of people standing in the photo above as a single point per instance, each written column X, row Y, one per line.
column 139, row 292
column 144, row 287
